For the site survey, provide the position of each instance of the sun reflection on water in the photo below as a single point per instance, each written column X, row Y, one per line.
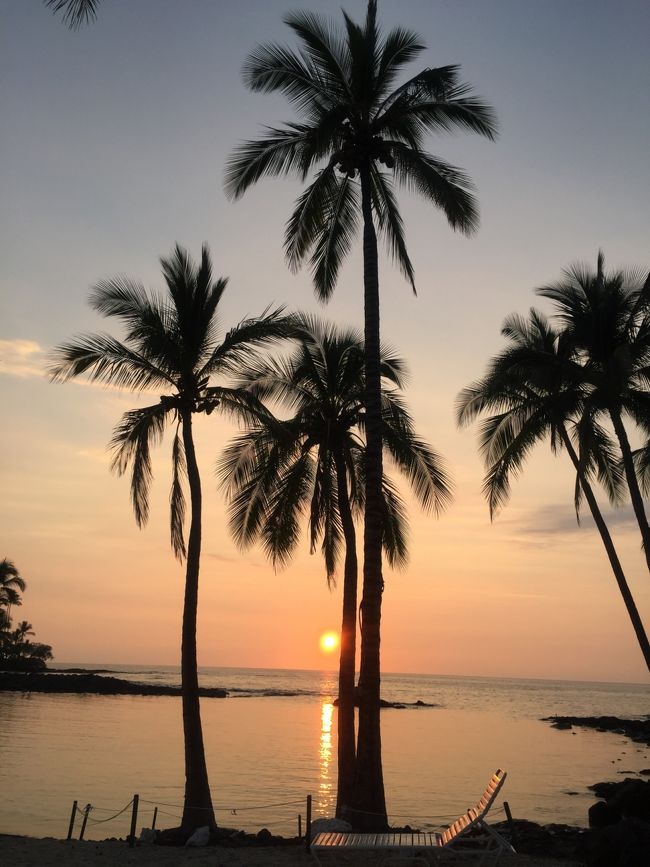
column 325, row 754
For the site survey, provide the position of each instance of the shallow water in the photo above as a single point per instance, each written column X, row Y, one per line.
column 267, row 752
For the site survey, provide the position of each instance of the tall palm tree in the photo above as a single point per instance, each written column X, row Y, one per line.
column 606, row 319
column 312, row 463
column 75, row 13
column 358, row 133
column 171, row 344
column 11, row 586
column 535, row 389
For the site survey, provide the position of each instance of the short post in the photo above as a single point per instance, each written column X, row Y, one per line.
column 134, row 820
column 506, row 807
column 299, row 825
column 87, row 810
column 155, row 816
column 73, row 816
column 308, row 829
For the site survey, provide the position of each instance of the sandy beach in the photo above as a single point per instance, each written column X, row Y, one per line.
column 33, row 852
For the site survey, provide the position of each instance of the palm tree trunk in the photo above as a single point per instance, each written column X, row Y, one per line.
column 615, row 563
column 632, row 482
column 347, row 756
column 370, row 800
column 197, row 810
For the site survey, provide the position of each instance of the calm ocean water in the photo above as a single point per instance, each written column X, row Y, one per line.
column 273, row 741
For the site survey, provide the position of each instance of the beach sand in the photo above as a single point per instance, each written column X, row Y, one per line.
column 34, row 852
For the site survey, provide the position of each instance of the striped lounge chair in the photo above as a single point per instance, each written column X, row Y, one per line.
column 468, row 838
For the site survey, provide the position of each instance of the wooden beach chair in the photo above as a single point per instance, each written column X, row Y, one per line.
column 468, row 838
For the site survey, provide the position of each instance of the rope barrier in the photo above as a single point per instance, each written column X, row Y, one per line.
column 232, row 810
column 110, row 818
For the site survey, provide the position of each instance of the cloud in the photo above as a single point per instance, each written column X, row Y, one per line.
column 543, row 524
column 222, row 558
column 22, row 358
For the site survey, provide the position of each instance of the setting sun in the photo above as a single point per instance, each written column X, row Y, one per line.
column 329, row 641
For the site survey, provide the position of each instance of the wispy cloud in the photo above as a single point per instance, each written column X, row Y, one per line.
column 543, row 524
column 22, row 358
column 222, row 558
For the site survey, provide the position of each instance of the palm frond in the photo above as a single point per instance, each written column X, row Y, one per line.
column 133, row 437
column 76, row 13
column 399, row 47
column 177, row 495
column 435, row 102
column 292, row 148
column 390, row 223
column 243, row 339
column 325, row 50
column 443, row 184
column 102, row 358
column 422, row 466
column 273, row 67
column 305, row 225
column 394, row 526
column 281, row 529
column 340, row 220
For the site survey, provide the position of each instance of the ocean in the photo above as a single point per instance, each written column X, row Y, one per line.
column 272, row 742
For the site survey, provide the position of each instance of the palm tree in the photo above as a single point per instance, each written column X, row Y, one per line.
column 606, row 320
column 364, row 133
column 75, row 13
column 536, row 389
column 11, row 586
column 171, row 345
column 312, row 463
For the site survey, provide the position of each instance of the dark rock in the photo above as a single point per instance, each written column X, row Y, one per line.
column 553, row 841
column 601, row 815
column 636, row 729
column 91, row 683
column 625, row 844
column 629, row 797
column 383, row 703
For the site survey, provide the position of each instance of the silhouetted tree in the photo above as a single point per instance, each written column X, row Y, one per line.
column 171, row 345
column 17, row 653
column 312, row 463
column 535, row 389
column 364, row 133
column 11, row 585
column 606, row 320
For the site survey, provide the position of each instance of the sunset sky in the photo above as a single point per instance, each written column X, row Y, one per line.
column 114, row 141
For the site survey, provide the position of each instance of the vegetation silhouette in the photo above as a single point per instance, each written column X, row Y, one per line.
column 74, row 13
column 312, row 463
column 17, row 652
column 605, row 320
column 365, row 133
column 11, row 585
column 536, row 389
column 171, row 344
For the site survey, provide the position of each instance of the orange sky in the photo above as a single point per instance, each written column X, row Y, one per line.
column 101, row 177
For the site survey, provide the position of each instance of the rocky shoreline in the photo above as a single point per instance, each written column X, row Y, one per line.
column 90, row 683
column 637, row 730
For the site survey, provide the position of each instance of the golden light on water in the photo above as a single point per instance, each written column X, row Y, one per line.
column 326, row 788
column 329, row 641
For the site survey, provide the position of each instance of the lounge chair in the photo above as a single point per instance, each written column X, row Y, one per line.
column 469, row 837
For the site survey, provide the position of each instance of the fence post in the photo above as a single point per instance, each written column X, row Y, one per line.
column 299, row 825
column 134, row 819
column 73, row 815
column 155, row 816
column 308, row 828
column 87, row 810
